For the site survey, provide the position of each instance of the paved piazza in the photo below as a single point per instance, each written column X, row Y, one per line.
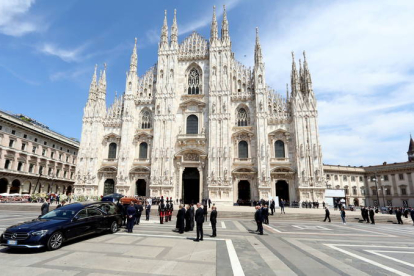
column 286, row 248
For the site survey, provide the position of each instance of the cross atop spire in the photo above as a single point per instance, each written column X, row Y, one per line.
column 214, row 29
column 225, row 26
column 134, row 59
column 164, row 31
column 174, row 30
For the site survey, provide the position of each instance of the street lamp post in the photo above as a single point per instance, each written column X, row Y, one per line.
column 375, row 179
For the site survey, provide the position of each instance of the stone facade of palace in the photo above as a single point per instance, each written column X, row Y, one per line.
column 34, row 159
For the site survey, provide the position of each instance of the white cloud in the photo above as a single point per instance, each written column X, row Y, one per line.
column 359, row 54
column 14, row 20
column 64, row 54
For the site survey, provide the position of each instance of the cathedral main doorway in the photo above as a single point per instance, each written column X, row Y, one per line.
column 109, row 187
column 244, row 195
column 141, row 187
column 282, row 190
column 191, row 186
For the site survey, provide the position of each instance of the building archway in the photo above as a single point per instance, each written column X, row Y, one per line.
column 109, row 187
column 69, row 190
column 3, row 185
column 282, row 190
column 244, row 194
column 191, row 186
column 141, row 187
column 15, row 187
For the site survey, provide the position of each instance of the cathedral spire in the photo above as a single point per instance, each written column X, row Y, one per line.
column 93, row 86
column 214, row 29
column 258, row 58
column 307, row 80
column 294, row 80
column 174, row 31
column 225, row 26
column 164, row 31
column 102, row 83
column 410, row 152
column 134, row 59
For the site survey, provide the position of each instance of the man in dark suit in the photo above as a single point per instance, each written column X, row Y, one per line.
column 398, row 214
column 371, row 215
column 272, row 207
column 61, row 204
column 180, row 219
column 138, row 209
column 213, row 220
column 282, row 206
column 412, row 214
column 258, row 217
column 45, row 207
column 130, row 217
column 327, row 215
column 199, row 218
column 187, row 219
column 191, row 217
column 147, row 211
column 265, row 213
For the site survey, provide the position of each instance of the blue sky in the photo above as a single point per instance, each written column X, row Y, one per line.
column 359, row 53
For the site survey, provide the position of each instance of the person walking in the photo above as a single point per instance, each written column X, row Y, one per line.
column 138, row 209
column 130, row 217
column 213, row 220
column 343, row 215
column 327, row 214
column 282, row 206
column 412, row 214
column 265, row 212
column 398, row 214
column 180, row 219
column 371, row 215
column 272, row 207
column 209, row 203
column 258, row 217
column 199, row 218
column 205, row 211
column 147, row 211
column 45, row 207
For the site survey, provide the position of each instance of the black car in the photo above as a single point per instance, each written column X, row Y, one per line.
column 63, row 224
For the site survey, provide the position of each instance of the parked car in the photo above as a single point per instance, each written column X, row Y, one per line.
column 63, row 224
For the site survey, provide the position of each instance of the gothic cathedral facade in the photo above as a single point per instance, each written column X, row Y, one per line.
column 199, row 124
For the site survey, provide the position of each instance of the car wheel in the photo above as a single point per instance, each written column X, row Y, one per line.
column 114, row 227
column 55, row 241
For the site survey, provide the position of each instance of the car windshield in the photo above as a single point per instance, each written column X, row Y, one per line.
column 59, row 214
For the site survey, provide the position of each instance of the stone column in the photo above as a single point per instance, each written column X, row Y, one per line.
column 200, row 170
column 180, row 182
column 394, row 184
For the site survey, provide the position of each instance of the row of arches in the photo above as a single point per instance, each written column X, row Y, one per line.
column 16, row 187
column 140, row 187
column 244, row 195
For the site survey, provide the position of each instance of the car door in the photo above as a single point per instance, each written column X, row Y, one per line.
column 96, row 220
column 78, row 225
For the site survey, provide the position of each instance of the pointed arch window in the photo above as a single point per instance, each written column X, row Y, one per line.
column 193, row 82
column 242, row 117
column 243, row 149
column 112, row 151
column 143, row 150
column 279, row 149
column 192, row 124
column 146, row 119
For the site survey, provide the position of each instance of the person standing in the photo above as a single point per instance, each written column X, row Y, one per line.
column 138, row 209
column 265, row 215
column 191, row 217
column 130, row 217
column 323, row 204
column 371, row 215
column 147, row 211
column 282, row 206
column 180, row 219
column 205, row 211
column 272, row 207
column 213, row 220
column 327, row 215
column 45, row 207
column 199, row 218
column 258, row 217
column 61, row 204
column 363, row 213
column 412, row 214
column 57, row 199
column 398, row 214
column 187, row 219
column 343, row 215
column 209, row 203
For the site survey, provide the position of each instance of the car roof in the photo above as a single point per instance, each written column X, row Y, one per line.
column 80, row 205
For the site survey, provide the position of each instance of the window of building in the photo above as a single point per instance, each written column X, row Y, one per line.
column 279, row 149
column 112, row 151
column 60, row 156
column 67, row 158
column 64, row 174
column 362, row 191
column 74, row 153
column 71, row 175
column 403, row 191
column 346, row 191
column 52, row 155
column 242, row 117
column 328, row 177
column 57, row 172
column 1, row 127
column 354, row 190
column 43, row 152
column 7, row 164
column 24, row 136
column 61, row 148
column 192, row 124
column 143, row 150
column 361, row 179
column 31, row 166
column 385, row 177
column 388, row 191
column 35, row 139
column 34, row 149
column 11, row 143
column 374, row 191
column 50, row 171
column 336, row 177
column 145, row 119
column 13, row 132
column 345, row 178
column 401, row 176
column 19, row 166
column 53, row 146
column 353, row 178
column 243, row 149
column 45, row 143
column 193, row 82
column 23, row 146
column 328, row 186
column 67, row 150
column 41, row 170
